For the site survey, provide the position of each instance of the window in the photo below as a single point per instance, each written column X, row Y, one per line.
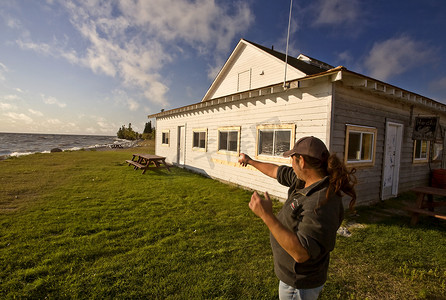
column 437, row 152
column 360, row 145
column 244, row 81
column 165, row 137
column 199, row 139
column 274, row 140
column 420, row 151
column 228, row 139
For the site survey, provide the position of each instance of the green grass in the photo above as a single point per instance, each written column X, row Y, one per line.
column 84, row 225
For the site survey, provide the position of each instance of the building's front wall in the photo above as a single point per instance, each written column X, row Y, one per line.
column 371, row 110
column 310, row 110
column 306, row 109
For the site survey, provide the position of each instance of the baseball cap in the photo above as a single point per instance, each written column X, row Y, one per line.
column 310, row 146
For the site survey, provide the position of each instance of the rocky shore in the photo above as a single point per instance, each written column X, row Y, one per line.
column 109, row 147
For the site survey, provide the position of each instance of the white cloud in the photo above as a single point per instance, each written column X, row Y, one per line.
column 134, row 40
column 201, row 22
column 439, row 84
column 54, row 121
column 395, row 56
column 7, row 106
column 18, row 117
column 3, row 70
column 133, row 105
column 52, row 100
column 439, row 87
column 10, row 21
column 41, row 48
column 35, row 112
column 336, row 12
column 11, row 97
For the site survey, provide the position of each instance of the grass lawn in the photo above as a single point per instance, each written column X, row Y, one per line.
column 85, row 225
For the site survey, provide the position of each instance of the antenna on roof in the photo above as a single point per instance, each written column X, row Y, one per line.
column 287, row 41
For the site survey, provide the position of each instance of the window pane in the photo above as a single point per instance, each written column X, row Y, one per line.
column 420, row 149
column 417, row 148
column 282, row 142
column 223, row 137
column 266, row 142
column 202, row 140
column 423, row 153
column 367, row 146
column 438, row 152
column 354, row 147
column 233, row 138
column 165, row 138
column 196, row 137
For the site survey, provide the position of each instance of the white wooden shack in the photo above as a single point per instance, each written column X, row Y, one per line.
column 368, row 123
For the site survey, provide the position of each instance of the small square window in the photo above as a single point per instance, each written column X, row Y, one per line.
column 360, row 145
column 199, row 139
column 421, row 151
column 228, row 139
column 165, row 137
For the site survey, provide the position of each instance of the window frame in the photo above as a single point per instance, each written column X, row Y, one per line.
column 418, row 160
column 362, row 130
column 229, row 129
column 200, row 130
column 274, row 127
column 437, row 152
column 240, row 76
column 163, row 132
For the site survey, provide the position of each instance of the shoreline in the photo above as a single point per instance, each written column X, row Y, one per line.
column 109, row 147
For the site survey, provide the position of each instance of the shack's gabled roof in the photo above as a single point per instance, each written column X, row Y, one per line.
column 306, row 64
column 260, row 57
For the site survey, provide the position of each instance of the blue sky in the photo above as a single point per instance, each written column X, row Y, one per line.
column 89, row 67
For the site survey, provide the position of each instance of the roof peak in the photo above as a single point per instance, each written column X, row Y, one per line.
column 313, row 65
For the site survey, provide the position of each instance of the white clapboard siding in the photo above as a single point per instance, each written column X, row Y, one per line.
column 313, row 111
column 281, row 108
column 254, row 65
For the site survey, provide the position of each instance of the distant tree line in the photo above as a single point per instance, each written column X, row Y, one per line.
column 129, row 134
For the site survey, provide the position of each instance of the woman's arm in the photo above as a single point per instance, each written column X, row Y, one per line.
column 266, row 168
column 287, row 239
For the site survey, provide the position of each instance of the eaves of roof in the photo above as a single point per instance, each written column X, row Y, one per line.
column 337, row 74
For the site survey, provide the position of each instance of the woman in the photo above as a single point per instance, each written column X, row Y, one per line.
column 304, row 231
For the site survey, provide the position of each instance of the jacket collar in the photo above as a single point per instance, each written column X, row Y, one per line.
column 315, row 186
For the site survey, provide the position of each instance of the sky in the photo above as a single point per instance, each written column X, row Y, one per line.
column 92, row 66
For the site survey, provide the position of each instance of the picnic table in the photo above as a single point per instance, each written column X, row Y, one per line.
column 143, row 161
column 425, row 203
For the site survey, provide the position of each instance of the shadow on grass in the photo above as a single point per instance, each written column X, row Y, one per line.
column 392, row 212
column 387, row 258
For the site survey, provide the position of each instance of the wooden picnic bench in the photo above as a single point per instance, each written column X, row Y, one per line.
column 143, row 161
column 425, row 203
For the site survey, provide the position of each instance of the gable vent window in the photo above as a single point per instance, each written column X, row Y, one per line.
column 244, row 81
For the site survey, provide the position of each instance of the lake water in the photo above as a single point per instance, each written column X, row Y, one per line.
column 16, row 144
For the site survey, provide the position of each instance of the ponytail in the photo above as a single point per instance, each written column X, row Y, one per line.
column 341, row 180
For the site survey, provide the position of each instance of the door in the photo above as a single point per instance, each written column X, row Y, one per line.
column 181, row 144
column 392, row 157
